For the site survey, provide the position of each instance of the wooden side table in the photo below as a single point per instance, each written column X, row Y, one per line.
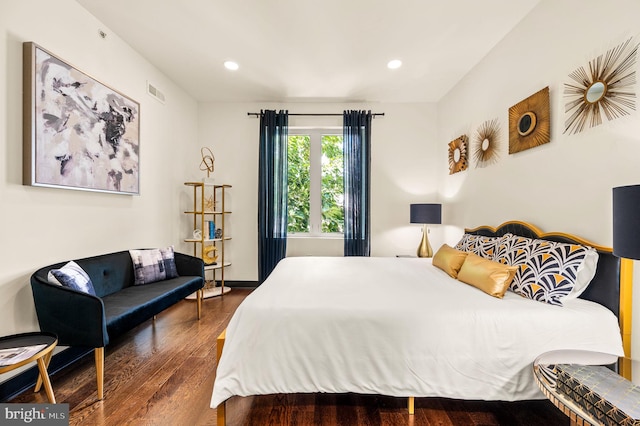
column 42, row 356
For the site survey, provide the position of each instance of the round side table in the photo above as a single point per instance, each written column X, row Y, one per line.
column 42, row 356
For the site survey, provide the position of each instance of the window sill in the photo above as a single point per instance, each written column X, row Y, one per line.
column 316, row 236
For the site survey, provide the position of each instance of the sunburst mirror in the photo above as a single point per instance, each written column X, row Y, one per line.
column 606, row 88
column 529, row 122
column 458, row 155
column 486, row 144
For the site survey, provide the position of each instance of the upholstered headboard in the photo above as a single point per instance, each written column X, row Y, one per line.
column 611, row 285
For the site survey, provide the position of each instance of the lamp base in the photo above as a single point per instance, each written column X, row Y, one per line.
column 424, row 249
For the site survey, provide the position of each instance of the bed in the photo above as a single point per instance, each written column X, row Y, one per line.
column 403, row 327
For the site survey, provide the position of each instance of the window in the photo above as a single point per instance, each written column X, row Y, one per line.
column 316, row 186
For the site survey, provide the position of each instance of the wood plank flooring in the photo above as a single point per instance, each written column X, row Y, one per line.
column 162, row 373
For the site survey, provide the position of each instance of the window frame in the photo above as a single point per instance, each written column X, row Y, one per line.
column 315, row 176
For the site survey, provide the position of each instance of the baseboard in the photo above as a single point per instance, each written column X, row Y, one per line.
column 239, row 284
column 19, row 383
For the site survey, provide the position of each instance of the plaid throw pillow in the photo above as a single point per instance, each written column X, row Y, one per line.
column 153, row 265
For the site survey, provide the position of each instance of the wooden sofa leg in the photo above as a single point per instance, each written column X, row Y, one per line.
column 199, row 302
column 410, row 405
column 99, row 355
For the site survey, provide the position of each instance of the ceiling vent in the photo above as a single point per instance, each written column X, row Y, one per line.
column 155, row 92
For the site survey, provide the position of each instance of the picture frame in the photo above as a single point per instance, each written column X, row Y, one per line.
column 78, row 133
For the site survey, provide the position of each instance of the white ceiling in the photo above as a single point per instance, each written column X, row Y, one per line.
column 312, row 51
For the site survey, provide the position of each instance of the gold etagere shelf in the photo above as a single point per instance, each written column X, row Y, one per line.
column 209, row 204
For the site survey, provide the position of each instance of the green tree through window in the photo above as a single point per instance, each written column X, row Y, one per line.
column 298, row 151
column 332, row 184
column 316, row 186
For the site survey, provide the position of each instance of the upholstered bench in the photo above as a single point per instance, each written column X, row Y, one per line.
column 118, row 298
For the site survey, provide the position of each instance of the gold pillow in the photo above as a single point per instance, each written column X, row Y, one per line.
column 449, row 260
column 491, row 277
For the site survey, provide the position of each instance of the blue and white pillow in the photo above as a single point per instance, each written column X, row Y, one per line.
column 153, row 265
column 73, row 276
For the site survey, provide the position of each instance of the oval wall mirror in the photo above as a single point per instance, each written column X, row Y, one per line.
column 456, row 155
column 526, row 123
column 595, row 92
column 485, row 144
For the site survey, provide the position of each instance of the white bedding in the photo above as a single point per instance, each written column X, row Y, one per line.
column 398, row 327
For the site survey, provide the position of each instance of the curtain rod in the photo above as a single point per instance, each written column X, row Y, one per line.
column 375, row 114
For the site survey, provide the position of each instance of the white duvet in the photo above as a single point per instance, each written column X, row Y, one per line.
column 398, row 327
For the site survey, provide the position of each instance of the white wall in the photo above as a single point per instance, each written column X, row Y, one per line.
column 561, row 186
column 40, row 226
column 403, row 171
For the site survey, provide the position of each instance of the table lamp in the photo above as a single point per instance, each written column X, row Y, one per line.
column 626, row 221
column 425, row 214
column 626, row 245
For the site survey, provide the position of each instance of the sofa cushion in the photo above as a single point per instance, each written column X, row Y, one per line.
column 73, row 276
column 134, row 305
column 153, row 265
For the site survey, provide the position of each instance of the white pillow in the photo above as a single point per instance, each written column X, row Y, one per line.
column 586, row 272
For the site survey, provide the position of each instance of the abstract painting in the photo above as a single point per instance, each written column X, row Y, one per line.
column 78, row 133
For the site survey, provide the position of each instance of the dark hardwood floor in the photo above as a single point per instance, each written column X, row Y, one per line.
column 162, row 372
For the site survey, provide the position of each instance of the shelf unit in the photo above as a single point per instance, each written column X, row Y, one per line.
column 209, row 204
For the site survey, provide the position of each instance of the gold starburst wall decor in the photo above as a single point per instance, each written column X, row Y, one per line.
column 458, row 155
column 606, row 88
column 486, row 144
column 529, row 122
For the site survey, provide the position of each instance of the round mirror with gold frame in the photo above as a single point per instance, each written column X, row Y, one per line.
column 458, row 155
column 603, row 89
column 529, row 122
column 486, row 144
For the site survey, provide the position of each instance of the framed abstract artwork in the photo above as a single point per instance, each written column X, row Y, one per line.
column 78, row 133
column 529, row 122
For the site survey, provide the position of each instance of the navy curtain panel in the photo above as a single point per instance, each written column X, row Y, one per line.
column 272, row 191
column 357, row 182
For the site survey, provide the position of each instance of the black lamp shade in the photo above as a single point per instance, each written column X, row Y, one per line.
column 626, row 221
column 426, row 213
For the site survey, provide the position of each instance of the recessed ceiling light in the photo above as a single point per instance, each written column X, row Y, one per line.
column 396, row 63
column 230, row 65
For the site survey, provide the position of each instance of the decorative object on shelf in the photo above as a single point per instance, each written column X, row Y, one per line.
column 458, row 155
column 212, row 229
column 529, row 122
column 207, row 160
column 78, row 133
column 210, row 254
column 605, row 89
column 486, row 144
column 219, row 233
column 425, row 214
column 209, row 205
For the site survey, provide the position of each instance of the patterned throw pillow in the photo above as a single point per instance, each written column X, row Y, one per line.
column 153, row 265
column 478, row 244
column 73, row 276
column 548, row 271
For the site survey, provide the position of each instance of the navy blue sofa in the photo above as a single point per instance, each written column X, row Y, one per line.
column 81, row 319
